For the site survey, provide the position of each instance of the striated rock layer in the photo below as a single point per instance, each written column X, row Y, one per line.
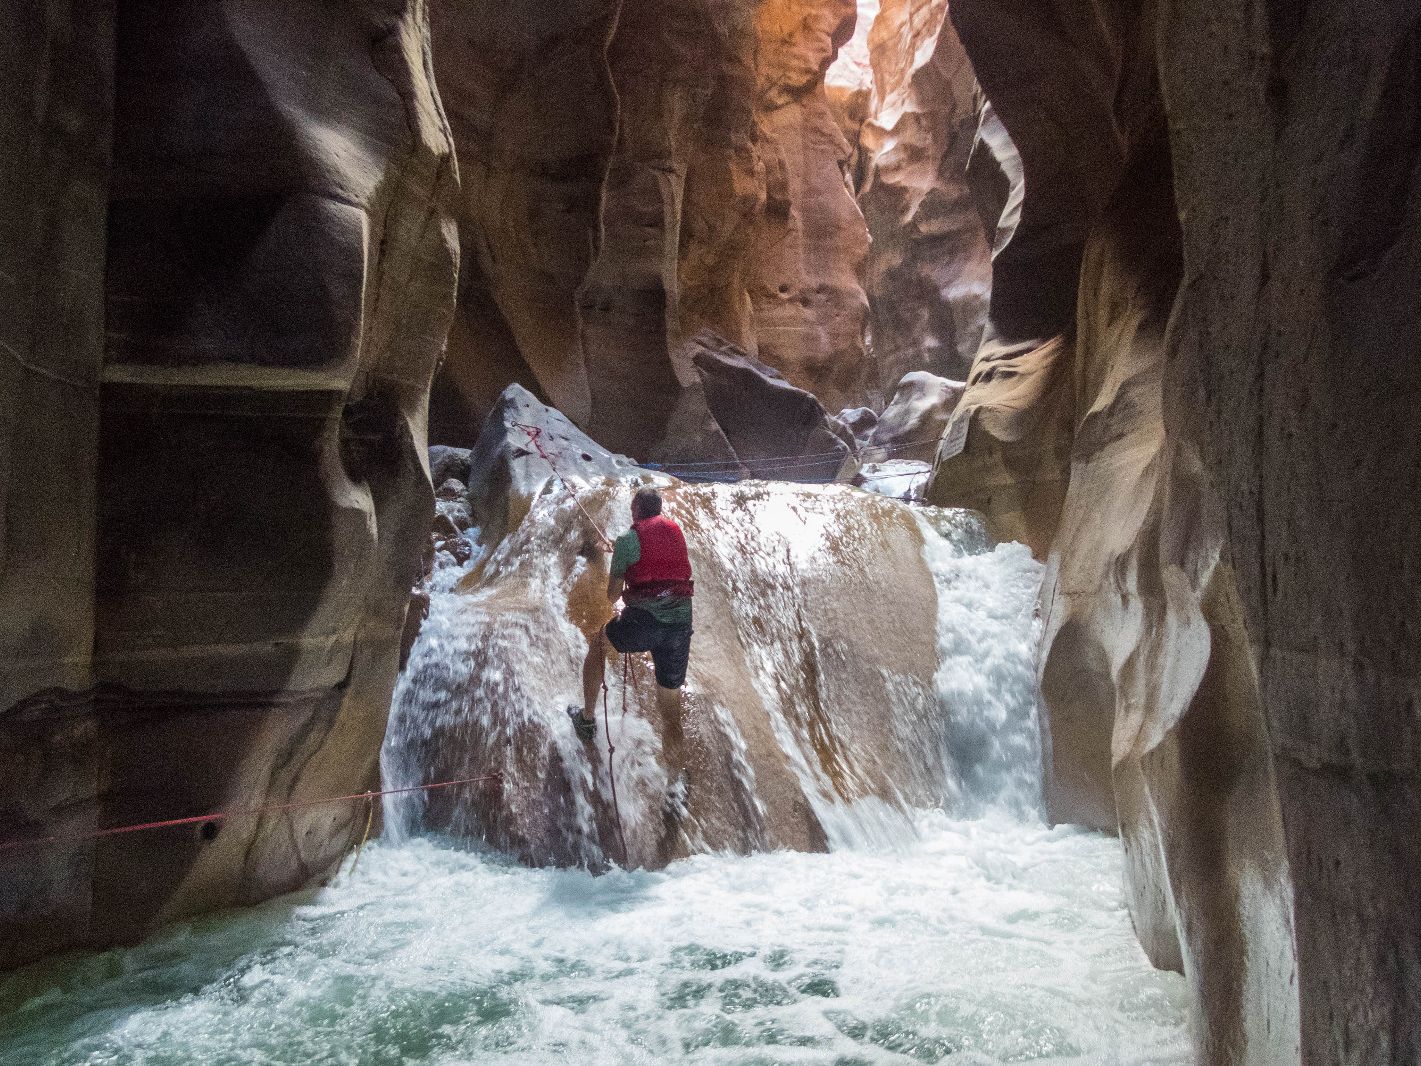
column 634, row 173
column 218, row 359
column 1216, row 209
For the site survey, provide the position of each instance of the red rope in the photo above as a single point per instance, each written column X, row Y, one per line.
column 611, row 771
column 534, row 433
column 222, row 816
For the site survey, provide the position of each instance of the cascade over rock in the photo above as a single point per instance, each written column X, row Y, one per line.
column 218, row 342
column 823, row 702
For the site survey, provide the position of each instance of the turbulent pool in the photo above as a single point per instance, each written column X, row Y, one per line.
column 984, row 941
column 915, row 938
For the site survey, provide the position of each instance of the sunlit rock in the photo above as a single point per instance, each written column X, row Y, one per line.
column 906, row 93
column 633, row 174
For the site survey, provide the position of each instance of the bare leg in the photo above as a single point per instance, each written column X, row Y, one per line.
column 593, row 668
column 673, row 738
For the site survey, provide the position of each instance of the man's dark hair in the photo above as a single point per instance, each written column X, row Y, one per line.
column 646, row 503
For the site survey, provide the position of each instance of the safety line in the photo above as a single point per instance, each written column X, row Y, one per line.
column 534, row 433
column 611, row 772
column 241, row 812
column 733, row 464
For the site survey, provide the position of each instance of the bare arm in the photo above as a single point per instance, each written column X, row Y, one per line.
column 614, row 588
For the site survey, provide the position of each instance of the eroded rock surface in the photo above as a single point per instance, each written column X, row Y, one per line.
column 632, row 174
column 1295, row 346
column 1007, row 448
column 242, row 455
column 1229, row 669
column 1145, row 669
column 929, row 268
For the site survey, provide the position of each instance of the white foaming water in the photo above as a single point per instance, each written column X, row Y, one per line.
column 917, row 938
column 986, row 676
column 984, row 942
column 903, row 479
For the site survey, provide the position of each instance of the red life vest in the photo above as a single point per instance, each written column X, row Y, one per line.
column 664, row 568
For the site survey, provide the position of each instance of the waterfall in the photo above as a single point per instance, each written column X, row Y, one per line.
column 861, row 685
column 856, row 660
column 986, row 676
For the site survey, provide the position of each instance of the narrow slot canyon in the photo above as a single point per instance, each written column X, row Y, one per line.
column 723, row 531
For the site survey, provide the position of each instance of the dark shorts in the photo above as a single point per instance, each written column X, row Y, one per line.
column 670, row 645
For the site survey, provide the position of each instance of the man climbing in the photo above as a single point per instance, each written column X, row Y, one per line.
column 651, row 573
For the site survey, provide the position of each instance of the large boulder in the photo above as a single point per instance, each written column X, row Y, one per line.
column 524, row 448
column 240, row 441
column 910, row 426
column 774, row 429
column 818, row 705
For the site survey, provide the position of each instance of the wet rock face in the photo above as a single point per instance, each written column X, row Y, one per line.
column 1229, row 664
column 245, row 471
column 634, row 173
column 811, row 704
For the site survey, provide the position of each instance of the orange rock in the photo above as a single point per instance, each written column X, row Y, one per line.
column 929, row 268
column 630, row 181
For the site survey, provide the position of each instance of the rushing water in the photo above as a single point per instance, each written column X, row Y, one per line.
column 988, row 941
column 983, row 937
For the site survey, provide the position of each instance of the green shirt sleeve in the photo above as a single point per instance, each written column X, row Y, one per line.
column 625, row 552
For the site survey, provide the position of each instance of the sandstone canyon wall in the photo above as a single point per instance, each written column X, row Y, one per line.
column 909, row 105
column 634, row 173
column 1229, row 661
column 1296, row 369
column 229, row 271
